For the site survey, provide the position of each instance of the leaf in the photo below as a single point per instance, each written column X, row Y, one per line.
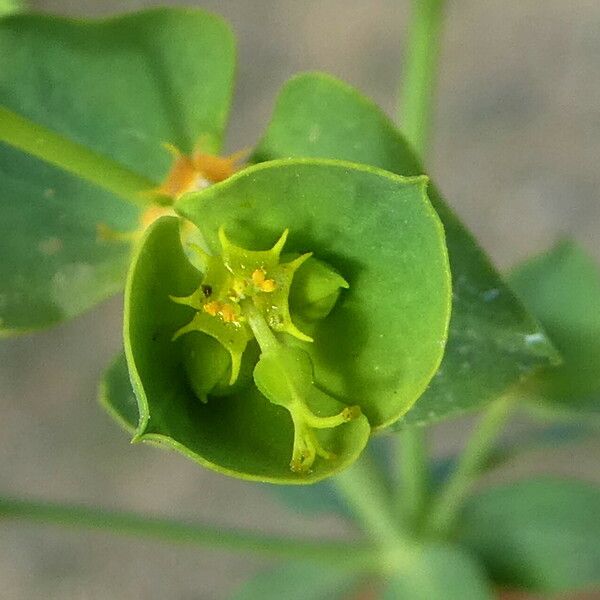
column 120, row 87
column 562, row 289
column 493, row 342
column 116, row 395
column 298, row 581
column 384, row 339
column 541, row 535
column 241, row 434
column 438, row 572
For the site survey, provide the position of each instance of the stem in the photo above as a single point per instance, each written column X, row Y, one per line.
column 57, row 150
column 351, row 555
column 367, row 495
column 474, row 457
column 414, row 474
column 414, row 112
column 420, row 69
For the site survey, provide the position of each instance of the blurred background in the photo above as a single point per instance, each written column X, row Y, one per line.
column 516, row 150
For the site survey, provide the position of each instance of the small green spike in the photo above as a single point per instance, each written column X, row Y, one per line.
column 193, row 300
column 280, row 243
column 275, row 306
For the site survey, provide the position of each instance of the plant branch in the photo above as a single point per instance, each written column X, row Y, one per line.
column 448, row 502
column 414, row 110
column 57, row 150
column 345, row 554
column 365, row 492
column 414, row 113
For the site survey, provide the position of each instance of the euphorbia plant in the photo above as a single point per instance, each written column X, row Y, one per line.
column 281, row 313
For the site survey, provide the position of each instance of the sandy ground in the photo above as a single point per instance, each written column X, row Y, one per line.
column 516, row 150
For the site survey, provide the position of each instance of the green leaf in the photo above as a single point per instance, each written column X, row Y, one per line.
column 540, row 535
column 241, row 434
column 438, row 572
column 384, row 339
column 562, row 289
column 493, row 342
column 116, row 395
column 298, row 581
column 120, row 87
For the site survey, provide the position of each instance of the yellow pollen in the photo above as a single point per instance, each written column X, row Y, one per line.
column 212, row 308
column 228, row 313
column 260, row 281
column 258, row 277
column 268, row 285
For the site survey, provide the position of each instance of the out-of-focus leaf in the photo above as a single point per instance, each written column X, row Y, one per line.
column 540, row 535
column 493, row 342
column 562, row 289
column 119, row 87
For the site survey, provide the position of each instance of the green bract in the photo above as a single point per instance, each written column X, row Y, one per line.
column 377, row 347
column 119, row 88
column 493, row 343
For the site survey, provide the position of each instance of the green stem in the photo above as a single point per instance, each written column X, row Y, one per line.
column 366, row 494
column 414, row 112
column 414, row 474
column 57, row 150
column 345, row 554
column 420, row 69
column 448, row 502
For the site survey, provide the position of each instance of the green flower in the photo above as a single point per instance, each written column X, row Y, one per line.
column 244, row 294
column 276, row 364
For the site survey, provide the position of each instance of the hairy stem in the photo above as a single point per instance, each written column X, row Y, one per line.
column 414, row 474
column 351, row 555
column 57, row 150
column 448, row 502
column 414, row 110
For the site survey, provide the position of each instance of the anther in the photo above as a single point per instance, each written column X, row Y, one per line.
column 212, row 308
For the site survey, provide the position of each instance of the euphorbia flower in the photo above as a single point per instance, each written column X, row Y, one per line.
column 257, row 357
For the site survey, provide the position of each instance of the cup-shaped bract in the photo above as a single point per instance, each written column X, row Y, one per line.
column 367, row 319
